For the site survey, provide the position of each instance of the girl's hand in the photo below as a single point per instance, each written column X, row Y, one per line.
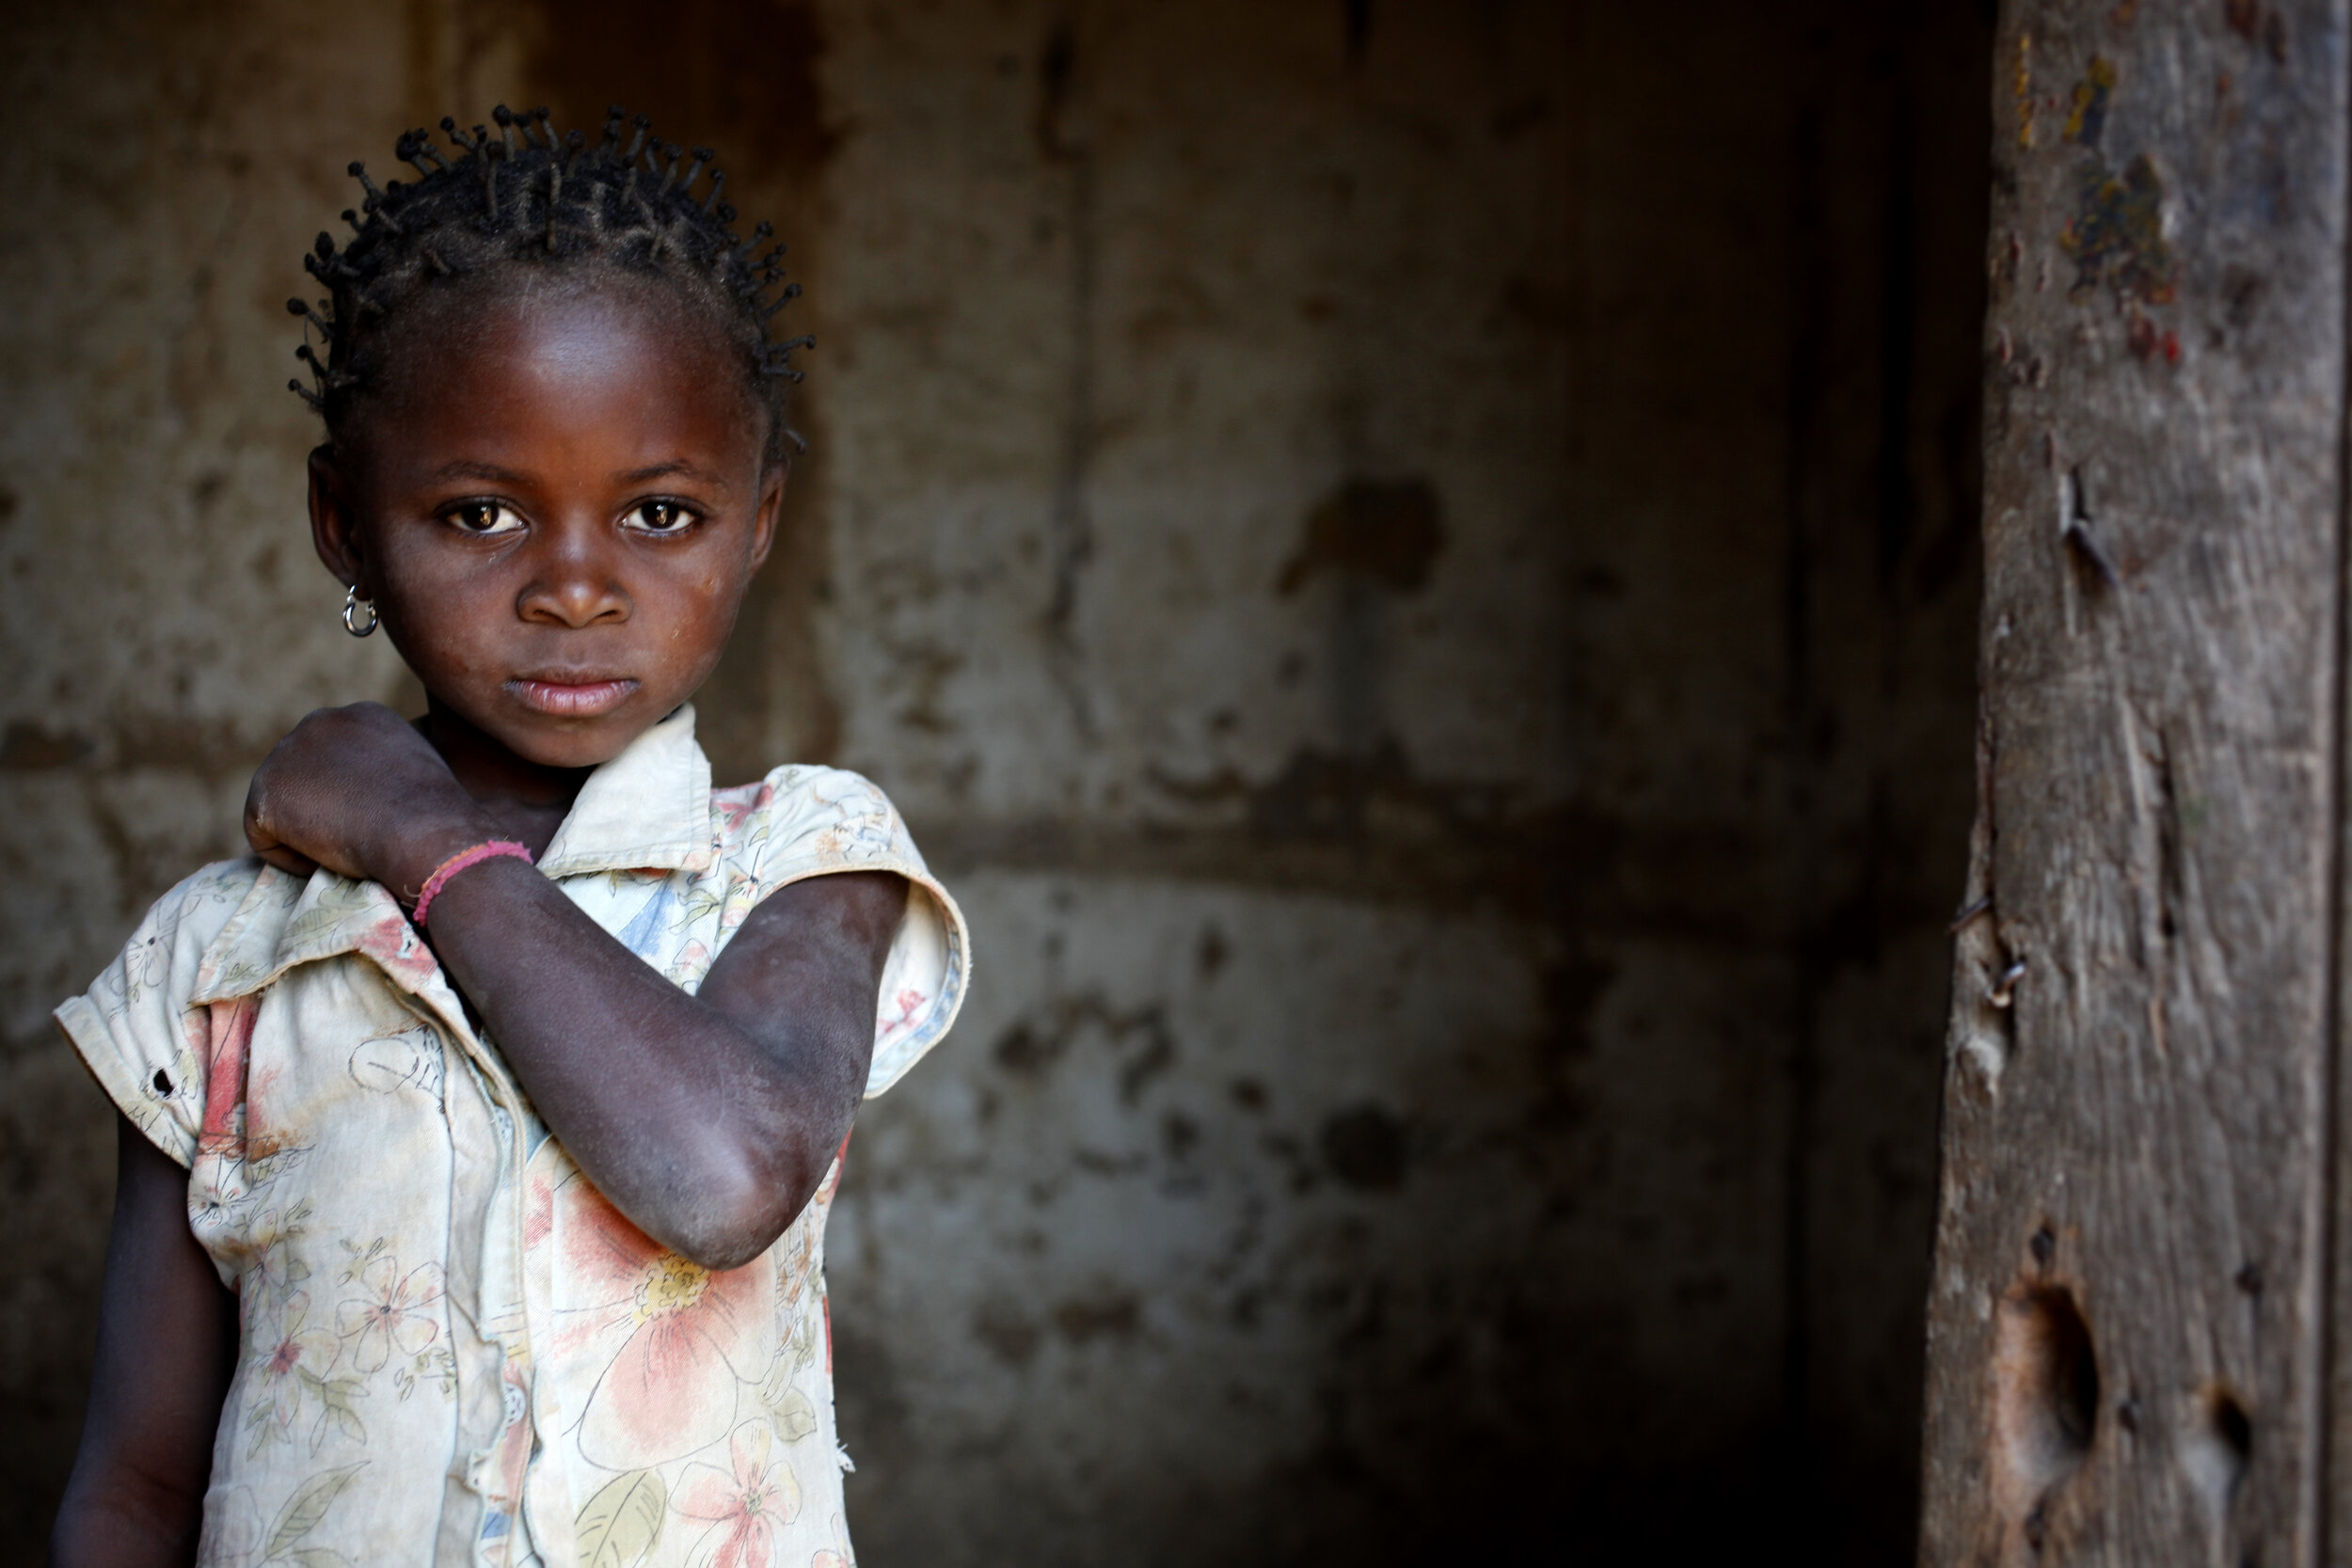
column 359, row 791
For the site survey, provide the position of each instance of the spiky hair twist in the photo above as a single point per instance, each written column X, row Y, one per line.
column 519, row 198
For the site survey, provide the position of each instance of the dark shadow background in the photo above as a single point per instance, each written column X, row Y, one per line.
column 1413, row 562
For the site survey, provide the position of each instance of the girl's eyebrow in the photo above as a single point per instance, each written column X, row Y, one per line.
column 677, row 465
column 489, row 473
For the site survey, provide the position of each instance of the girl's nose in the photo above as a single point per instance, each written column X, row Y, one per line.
column 577, row 586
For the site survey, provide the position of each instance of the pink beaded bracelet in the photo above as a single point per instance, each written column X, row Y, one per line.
column 494, row 849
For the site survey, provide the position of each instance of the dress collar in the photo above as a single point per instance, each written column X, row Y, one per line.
column 648, row 809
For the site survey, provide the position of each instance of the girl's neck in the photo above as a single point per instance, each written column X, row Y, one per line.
column 528, row 798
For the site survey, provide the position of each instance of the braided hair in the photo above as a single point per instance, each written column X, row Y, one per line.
column 520, row 198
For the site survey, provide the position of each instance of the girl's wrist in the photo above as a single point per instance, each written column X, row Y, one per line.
column 463, row 861
column 420, row 848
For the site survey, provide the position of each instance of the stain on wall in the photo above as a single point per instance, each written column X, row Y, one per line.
column 1414, row 564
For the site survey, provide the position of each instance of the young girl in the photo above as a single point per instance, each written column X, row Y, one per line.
column 478, row 1133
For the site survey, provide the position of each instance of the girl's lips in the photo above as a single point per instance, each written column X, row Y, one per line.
column 572, row 700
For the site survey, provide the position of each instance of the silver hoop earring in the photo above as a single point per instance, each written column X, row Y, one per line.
column 353, row 604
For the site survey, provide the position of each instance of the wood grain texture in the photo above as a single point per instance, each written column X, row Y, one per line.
column 2127, row 1345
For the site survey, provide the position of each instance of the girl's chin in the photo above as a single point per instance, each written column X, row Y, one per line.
column 546, row 734
column 545, row 741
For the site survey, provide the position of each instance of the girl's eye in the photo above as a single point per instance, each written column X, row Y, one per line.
column 660, row 517
column 484, row 518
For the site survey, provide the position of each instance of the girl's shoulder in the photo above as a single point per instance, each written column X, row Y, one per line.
column 189, row 919
column 167, row 960
column 804, row 821
column 133, row 1027
column 803, row 817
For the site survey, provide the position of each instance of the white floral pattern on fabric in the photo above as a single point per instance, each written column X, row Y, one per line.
column 453, row 1350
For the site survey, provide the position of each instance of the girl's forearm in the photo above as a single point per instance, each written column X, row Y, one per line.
column 710, row 1119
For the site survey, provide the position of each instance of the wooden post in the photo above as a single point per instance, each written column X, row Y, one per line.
column 2131, row 1353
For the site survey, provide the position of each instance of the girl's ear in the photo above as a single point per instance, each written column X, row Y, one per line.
column 770, row 502
column 334, row 520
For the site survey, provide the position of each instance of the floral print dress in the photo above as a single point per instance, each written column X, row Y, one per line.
column 453, row 1349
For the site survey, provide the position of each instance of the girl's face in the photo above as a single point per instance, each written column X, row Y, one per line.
column 556, row 499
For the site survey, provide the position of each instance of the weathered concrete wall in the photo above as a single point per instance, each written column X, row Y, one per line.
column 1414, row 564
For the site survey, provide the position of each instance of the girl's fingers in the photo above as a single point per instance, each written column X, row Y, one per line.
column 272, row 849
column 341, row 783
column 288, row 860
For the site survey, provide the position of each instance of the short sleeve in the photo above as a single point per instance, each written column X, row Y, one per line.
column 819, row 820
column 136, row 1029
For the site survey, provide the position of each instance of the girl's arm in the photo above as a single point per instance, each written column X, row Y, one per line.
column 167, row 1347
column 708, row 1119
